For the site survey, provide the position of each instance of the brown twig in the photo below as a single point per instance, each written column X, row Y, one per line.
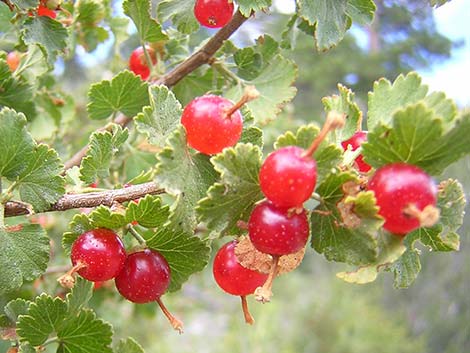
column 9, row 4
column 197, row 59
column 92, row 199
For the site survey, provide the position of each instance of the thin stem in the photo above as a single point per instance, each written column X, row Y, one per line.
column 333, row 121
column 88, row 200
column 136, row 235
column 246, row 311
column 67, row 280
column 148, row 59
column 250, row 93
column 263, row 294
column 176, row 323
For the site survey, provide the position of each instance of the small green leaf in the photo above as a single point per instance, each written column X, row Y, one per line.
column 186, row 254
column 16, row 144
column 103, row 217
column 84, row 333
column 139, row 11
column 38, row 29
column 253, row 135
column 44, row 316
column 25, row 254
column 344, row 103
column 390, row 248
column 79, row 296
column 233, row 198
column 125, row 93
column 406, row 268
column 15, row 92
column 327, row 155
column 274, row 83
column 333, row 236
column 80, row 224
column 181, row 12
column 184, row 175
column 246, row 7
column 417, row 137
column 148, row 212
column 129, row 346
column 103, row 146
column 332, row 18
column 40, row 184
column 16, row 308
column 89, row 13
column 162, row 116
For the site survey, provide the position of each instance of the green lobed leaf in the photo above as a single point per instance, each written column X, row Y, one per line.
column 80, row 295
column 89, row 13
column 40, row 183
column 246, row 7
column 327, row 155
column 80, row 224
column 406, row 268
column 417, row 137
column 386, row 98
column 33, row 64
column 139, row 11
column 84, row 333
column 253, row 135
column 15, row 92
column 148, row 212
column 181, row 12
column 390, row 248
column 16, row 308
column 103, row 147
column 38, row 29
column 44, row 316
column 331, row 236
column 184, row 175
column 186, row 254
column 162, row 116
column 332, row 18
column 5, row 17
column 25, row 254
column 274, row 83
column 16, row 144
column 344, row 104
column 232, row 198
column 129, row 345
column 111, row 97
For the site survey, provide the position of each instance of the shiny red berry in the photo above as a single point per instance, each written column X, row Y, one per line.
column 144, row 278
column 287, row 177
column 355, row 142
column 138, row 62
column 209, row 129
column 277, row 231
column 101, row 252
column 397, row 187
column 232, row 277
column 44, row 11
column 213, row 13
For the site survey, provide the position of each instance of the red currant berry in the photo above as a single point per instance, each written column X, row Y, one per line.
column 209, row 129
column 101, row 254
column 233, row 277
column 276, row 231
column 145, row 277
column 13, row 60
column 44, row 11
column 138, row 62
column 287, row 177
column 402, row 192
column 213, row 13
column 355, row 142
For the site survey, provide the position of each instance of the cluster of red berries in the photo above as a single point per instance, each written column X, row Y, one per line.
column 141, row 277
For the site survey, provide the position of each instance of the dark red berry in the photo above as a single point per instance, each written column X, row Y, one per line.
column 399, row 188
column 138, row 62
column 101, row 252
column 213, row 13
column 287, row 177
column 277, row 231
column 355, row 142
column 233, row 277
column 209, row 129
column 144, row 278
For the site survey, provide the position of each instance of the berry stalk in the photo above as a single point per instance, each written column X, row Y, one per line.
column 263, row 294
column 175, row 322
column 249, row 94
column 246, row 311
